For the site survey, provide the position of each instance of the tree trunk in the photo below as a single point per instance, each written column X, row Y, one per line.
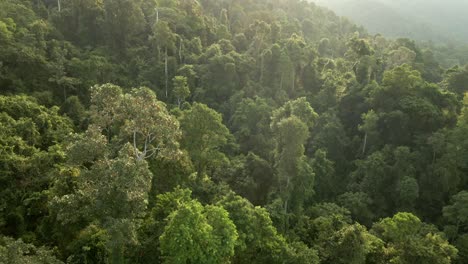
column 286, row 220
column 180, row 50
column 293, row 80
column 281, row 82
column 286, row 200
column 261, row 68
column 165, row 69
column 117, row 254
column 365, row 143
column 59, row 7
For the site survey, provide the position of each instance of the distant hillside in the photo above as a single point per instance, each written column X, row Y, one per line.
column 433, row 20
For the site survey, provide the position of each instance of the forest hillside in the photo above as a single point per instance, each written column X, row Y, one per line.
column 226, row 131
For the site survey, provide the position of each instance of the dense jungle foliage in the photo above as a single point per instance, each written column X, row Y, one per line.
column 225, row 131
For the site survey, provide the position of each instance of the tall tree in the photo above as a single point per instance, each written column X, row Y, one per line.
column 163, row 38
column 181, row 88
column 203, row 136
column 290, row 125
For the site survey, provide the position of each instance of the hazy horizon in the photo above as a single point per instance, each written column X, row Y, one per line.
column 434, row 20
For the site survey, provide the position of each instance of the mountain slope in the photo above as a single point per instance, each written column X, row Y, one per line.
column 438, row 21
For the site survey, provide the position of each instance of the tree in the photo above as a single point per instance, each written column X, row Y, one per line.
column 388, row 178
column 110, row 159
column 462, row 245
column 249, row 176
column 16, row 252
column 94, row 173
column 412, row 241
column 359, row 47
column 74, row 109
column 300, row 108
column 369, row 127
column 319, row 224
column 138, row 118
column 330, row 135
column 197, row 234
column 203, row 135
column 457, row 212
column 60, row 77
column 456, row 80
column 112, row 191
column 181, row 88
column 295, row 48
column 325, row 178
column 291, row 135
column 359, row 204
column 354, row 244
column 123, row 22
column 259, row 241
column 290, row 126
column 31, row 146
column 90, row 246
column 165, row 39
column 250, row 124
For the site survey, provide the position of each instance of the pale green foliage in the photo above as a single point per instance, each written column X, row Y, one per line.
column 369, row 123
column 402, row 80
column 400, row 56
column 105, row 104
column 299, row 108
column 408, row 240
column 358, row 47
column 5, row 34
column 17, row 252
column 154, row 131
column 138, row 117
column 197, row 234
column 369, row 127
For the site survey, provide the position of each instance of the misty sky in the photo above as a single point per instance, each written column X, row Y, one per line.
column 422, row 19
